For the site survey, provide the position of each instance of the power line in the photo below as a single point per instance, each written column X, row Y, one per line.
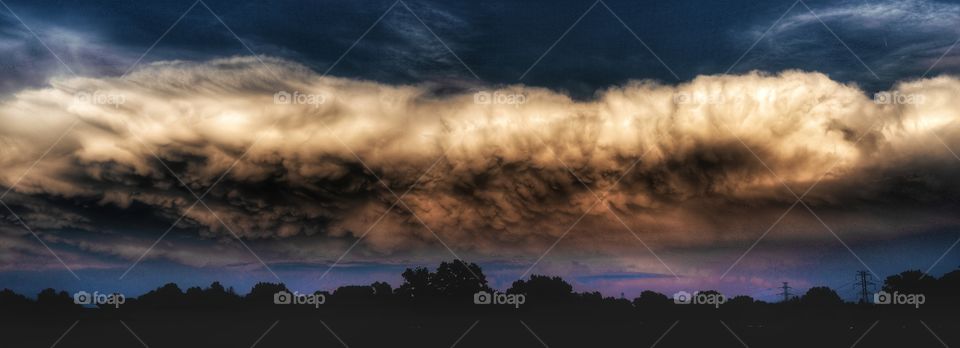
column 785, row 291
column 863, row 281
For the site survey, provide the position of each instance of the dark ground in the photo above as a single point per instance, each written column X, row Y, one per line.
column 404, row 327
column 442, row 309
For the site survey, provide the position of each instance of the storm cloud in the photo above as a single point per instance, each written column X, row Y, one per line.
column 288, row 153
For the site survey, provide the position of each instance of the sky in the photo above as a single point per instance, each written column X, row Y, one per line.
column 622, row 145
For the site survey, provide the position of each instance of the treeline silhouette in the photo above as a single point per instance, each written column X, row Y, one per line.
column 455, row 284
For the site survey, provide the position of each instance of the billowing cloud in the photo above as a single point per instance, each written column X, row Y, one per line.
column 286, row 153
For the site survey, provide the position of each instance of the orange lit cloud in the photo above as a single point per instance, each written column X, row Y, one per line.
column 709, row 161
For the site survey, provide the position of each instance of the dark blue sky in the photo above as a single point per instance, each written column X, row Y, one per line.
column 867, row 42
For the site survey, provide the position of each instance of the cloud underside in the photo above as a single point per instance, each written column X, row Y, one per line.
column 716, row 160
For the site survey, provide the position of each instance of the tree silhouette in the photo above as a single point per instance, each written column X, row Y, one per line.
column 911, row 282
column 651, row 299
column 455, row 281
column 215, row 296
column 590, row 298
column 543, row 289
column 193, row 297
column 948, row 288
column 53, row 300
column 821, row 296
column 442, row 298
column 353, row 294
column 262, row 293
column 377, row 293
column 218, row 296
column 742, row 301
column 14, row 301
column 168, row 295
column 459, row 279
column 382, row 291
column 416, row 285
